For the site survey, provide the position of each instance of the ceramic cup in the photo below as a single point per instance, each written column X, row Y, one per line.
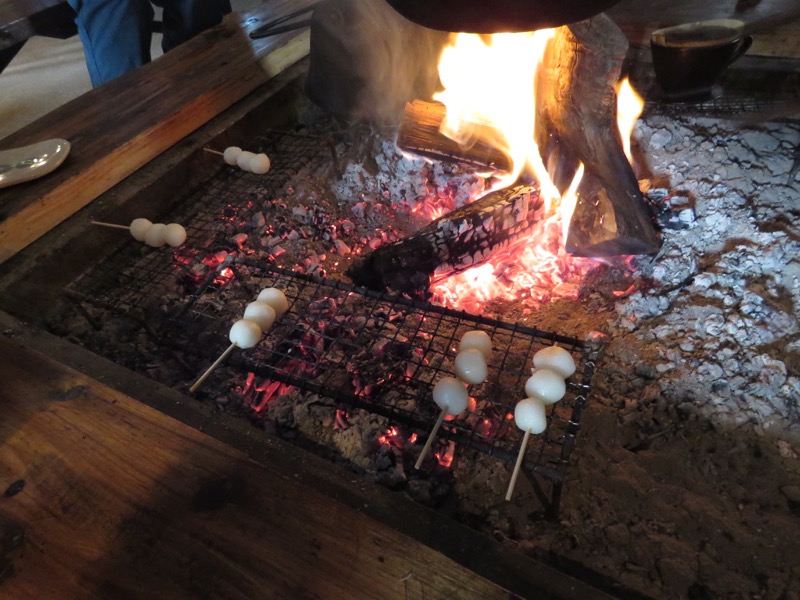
column 689, row 59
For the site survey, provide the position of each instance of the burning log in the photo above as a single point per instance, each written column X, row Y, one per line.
column 420, row 133
column 452, row 243
column 576, row 120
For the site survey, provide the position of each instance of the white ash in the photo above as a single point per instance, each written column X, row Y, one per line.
column 718, row 318
column 405, row 179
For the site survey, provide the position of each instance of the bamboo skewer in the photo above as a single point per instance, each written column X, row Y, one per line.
column 211, row 369
column 512, row 484
column 114, row 225
column 431, row 437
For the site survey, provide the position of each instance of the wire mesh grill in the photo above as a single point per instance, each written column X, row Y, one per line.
column 374, row 352
column 383, row 354
column 362, row 349
column 138, row 279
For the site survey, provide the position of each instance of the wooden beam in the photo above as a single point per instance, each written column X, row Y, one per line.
column 117, row 128
column 18, row 10
column 121, row 501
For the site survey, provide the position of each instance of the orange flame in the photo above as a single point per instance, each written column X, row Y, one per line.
column 500, row 110
column 629, row 108
column 504, row 105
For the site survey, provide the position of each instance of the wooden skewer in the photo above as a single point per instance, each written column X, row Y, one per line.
column 214, row 151
column 431, row 437
column 517, row 466
column 210, row 369
column 114, row 225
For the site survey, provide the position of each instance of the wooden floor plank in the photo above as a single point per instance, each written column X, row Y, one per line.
column 121, row 501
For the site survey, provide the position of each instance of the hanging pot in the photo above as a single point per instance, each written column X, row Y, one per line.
column 481, row 16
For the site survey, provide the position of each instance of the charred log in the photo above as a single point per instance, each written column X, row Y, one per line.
column 576, row 118
column 420, row 133
column 453, row 243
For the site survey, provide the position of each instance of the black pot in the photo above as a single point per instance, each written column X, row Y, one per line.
column 495, row 16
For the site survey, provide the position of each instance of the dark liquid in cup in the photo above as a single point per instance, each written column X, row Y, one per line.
column 700, row 36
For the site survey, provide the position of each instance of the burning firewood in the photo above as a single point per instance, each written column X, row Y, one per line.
column 576, row 121
column 452, row 243
column 420, row 133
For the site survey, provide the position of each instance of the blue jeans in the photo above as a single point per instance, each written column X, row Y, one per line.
column 116, row 34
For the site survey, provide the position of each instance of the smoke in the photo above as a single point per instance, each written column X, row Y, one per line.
column 367, row 61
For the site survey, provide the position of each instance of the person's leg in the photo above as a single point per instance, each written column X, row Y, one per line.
column 184, row 19
column 115, row 35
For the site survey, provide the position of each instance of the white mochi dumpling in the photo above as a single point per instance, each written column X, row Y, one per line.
column 231, row 155
column 174, row 235
column 530, row 415
column 478, row 340
column 555, row 358
column 155, row 235
column 260, row 313
column 139, row 228
column 451, row 395
column 546, row 385
column 260, row 164
column 471, row 366
column 244, row 333
column 275, row 298
column 243, row 160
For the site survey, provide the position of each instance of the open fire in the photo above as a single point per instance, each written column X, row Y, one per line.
column 384, row 358
column 699, row 349
column 356, row 371
column 499, row 112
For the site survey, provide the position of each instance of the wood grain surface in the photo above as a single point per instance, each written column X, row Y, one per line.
column 117, row 128
column 120, row 501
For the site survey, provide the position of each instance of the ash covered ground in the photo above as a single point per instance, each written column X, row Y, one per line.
column 687, row 482
column 686, row 479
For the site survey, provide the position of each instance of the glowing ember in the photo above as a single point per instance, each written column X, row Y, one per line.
column 224, row 276
column 258, row 396
column 535, row 269
column 445, row 455
column 341, row 420
column 390, row 438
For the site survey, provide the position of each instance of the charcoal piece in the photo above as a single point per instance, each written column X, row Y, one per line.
column 453, row 243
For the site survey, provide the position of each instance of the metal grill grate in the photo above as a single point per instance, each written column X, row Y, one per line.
column 364, row 350
column 137, row 279
column 383, row 354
